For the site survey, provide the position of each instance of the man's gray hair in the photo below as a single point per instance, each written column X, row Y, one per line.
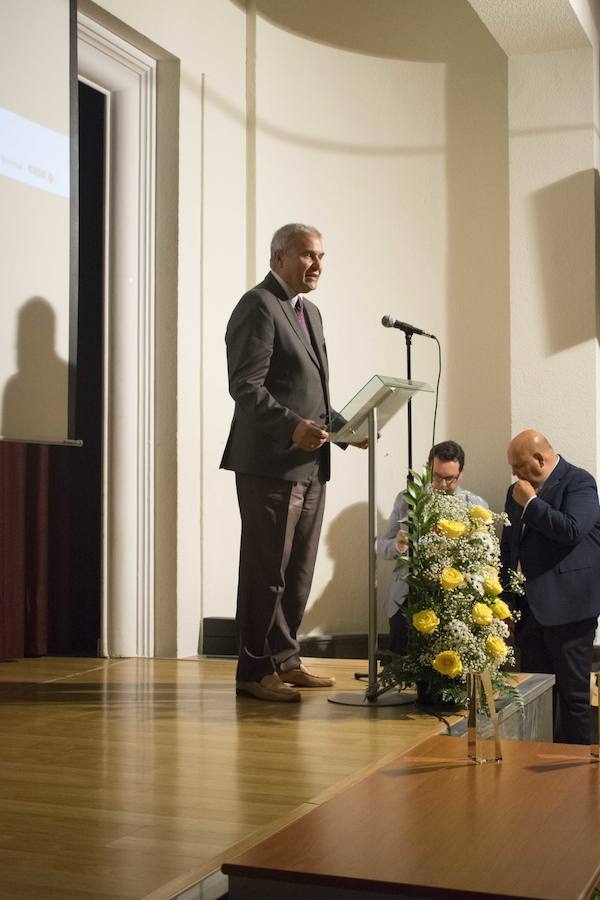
column 284, row 236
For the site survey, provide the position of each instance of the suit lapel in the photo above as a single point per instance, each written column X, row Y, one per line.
column 293, row 320
column 554, row 477
column 316, row 329
column 310, row 314
column 546, row 489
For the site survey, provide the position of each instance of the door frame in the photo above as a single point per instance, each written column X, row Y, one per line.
column 139, row 540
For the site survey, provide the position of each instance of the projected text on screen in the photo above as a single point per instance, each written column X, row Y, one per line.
column 33, row 154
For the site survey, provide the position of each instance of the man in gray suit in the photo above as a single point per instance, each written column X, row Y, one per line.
column 278, row 449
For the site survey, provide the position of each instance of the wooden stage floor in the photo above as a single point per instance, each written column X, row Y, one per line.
column 134, row 778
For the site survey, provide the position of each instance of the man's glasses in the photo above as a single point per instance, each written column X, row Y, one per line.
column 445, row 479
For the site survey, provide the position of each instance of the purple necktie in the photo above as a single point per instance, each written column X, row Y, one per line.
column 299, row 308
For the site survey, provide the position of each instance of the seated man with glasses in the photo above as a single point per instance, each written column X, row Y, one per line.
column 446, row 461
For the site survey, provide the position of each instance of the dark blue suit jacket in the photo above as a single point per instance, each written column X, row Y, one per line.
column 557, row 542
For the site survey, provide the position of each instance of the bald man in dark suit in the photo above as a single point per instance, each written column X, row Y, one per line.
column 278, row 448
column 554, row 538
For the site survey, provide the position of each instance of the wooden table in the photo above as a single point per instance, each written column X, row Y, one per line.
column 431, row 824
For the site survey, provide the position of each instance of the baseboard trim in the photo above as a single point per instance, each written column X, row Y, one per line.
column 219, row 638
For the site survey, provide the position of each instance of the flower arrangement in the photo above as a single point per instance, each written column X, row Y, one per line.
column 458, row 620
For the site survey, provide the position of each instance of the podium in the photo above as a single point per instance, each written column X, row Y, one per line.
column 367, row 413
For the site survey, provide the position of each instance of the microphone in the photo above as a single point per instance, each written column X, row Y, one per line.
column 391, row 322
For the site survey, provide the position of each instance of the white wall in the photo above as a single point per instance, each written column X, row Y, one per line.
column 335, row 147
column 387, row 128
column 554, row 104
column 588, row 14
column 367, row 133
column 553, row 290
column 389, row 132
column 588, row 17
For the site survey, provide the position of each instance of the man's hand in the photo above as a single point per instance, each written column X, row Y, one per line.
column 401, row 542
column 523, row 492
column 362, row 445
column 308, row 435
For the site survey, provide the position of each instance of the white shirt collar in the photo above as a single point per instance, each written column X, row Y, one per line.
column 290, row 294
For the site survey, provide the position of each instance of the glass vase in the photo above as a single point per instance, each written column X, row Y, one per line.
column 483, row 737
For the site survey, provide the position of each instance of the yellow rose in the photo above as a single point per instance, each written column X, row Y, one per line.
column 450, row 528
column 481, row 614
column 481, row 515
column 492, row 586
column 501, row 610
column 425, row 621
column 496, row 647
column 448, row 663
column 451, row 579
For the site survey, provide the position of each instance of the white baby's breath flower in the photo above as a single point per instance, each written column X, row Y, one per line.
column 475, row 555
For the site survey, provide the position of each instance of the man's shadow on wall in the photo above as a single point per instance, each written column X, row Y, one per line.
column 34, row 403
column 34, row 408
column 343, row 606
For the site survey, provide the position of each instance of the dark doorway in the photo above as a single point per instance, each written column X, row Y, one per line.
column 75, row 474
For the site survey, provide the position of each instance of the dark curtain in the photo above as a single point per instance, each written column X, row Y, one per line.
column 49, row 550
column 23, row 550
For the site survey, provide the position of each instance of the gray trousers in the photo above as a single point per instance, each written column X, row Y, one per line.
column 281, row 525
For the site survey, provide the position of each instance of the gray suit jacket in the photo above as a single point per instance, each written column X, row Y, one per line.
column 276, row 379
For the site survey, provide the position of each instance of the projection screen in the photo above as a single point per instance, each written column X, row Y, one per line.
column 38, row 218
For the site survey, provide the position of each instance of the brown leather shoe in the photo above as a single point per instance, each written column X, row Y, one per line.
column 270, row 687
column 301, row 677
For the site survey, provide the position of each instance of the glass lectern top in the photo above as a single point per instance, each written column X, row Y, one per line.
column 381, row 392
